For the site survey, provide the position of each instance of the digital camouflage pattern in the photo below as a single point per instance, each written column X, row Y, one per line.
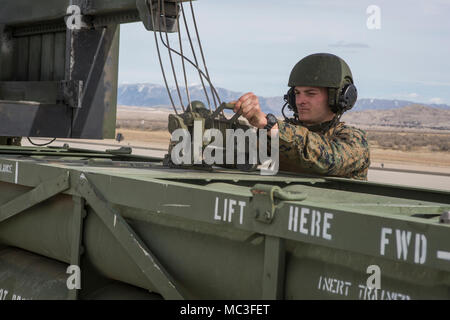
column 341, row 151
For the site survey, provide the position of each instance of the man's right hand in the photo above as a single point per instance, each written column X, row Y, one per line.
column 250, row 109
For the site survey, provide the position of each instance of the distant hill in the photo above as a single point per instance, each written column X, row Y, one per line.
column 383, row 104
column 147, row 95
column 412, row 116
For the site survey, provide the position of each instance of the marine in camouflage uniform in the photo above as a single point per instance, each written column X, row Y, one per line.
column 314, row 141
column 341, row 150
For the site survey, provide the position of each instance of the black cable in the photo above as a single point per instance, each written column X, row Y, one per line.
column 193, row 54
column 193, row 64
column 150, row 10
column 182, row 62
column 201, row 49
column 282, row 111
column 161, row 4
column 40, row 145
column 213, row 89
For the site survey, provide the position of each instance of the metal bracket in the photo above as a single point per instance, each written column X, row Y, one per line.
column 51, row 93
column 274, row 268
column 79, row 213
column 125, row 235
column 71, row 93
column 42, row 192
column 171, row 9
column 121, row 151
column 263, row 201
column 445, row 217
column 222, row 107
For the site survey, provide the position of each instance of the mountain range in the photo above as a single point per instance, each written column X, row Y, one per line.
column 151, row 95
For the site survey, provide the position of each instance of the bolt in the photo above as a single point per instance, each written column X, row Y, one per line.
column 445, row 217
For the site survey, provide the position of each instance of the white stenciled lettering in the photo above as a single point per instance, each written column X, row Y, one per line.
column 3, row 294
column 335, row 286
column 293, row 218
column 420, row 254
column 216, row 210
column 225, row 203
column 310, row 222
column 242, row 205
column 326, row 225
column 229, row 210
column 7, row 295
column 384, row 239
column 6, row 168
column 403, row 243
column 403, row 240
column 304, row 220
column 315, row 224
column 366, row 293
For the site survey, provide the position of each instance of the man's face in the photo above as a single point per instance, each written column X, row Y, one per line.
column 312, row 105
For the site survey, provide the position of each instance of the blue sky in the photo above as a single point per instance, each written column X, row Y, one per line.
column 251, row 45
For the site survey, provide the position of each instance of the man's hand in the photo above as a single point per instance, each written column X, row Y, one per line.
column 249, row 106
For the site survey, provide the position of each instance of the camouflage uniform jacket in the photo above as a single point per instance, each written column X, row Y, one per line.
column 341, row 151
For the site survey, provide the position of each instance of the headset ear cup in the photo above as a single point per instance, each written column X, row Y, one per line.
column 347, row 97
column 291, row 100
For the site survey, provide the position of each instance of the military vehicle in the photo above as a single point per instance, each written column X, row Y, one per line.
column 84, row 224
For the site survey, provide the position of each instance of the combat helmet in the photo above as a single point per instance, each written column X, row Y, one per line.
column 328, row 71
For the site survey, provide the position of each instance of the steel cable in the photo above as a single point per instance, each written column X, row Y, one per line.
column 182, row 62
column 150, row 9
column 196, row 67
column 168, row 47
column 194, row 55
column 201, row 51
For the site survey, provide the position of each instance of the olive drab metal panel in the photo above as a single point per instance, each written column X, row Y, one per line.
column 56, row 81
column 71, row 47
column 238, row 235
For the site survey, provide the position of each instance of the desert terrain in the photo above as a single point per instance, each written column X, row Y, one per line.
column 400, row 154
column 428, row 149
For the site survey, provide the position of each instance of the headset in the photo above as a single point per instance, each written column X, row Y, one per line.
column 340, row 100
